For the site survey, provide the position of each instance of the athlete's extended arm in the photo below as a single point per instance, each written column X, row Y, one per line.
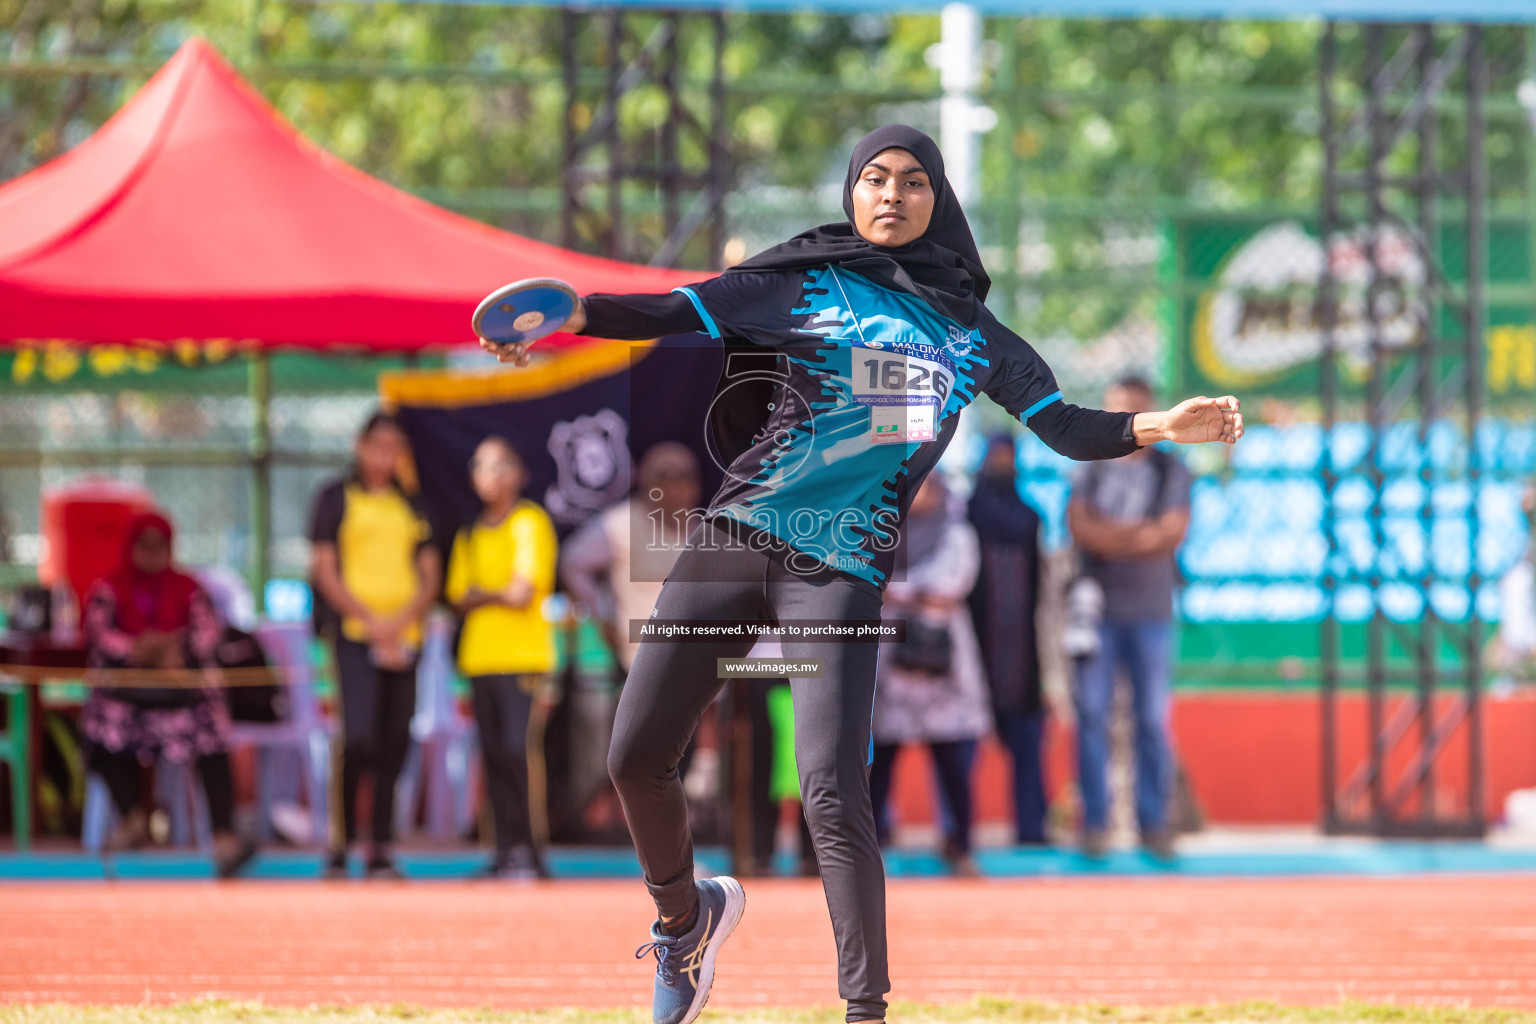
column 1192, row 421
column 1086, row 434
column 622, row 317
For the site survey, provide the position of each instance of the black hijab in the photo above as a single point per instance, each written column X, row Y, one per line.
column 997, row 512
column 942, row 267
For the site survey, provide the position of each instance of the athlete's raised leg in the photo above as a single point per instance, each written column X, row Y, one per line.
column 668, row 688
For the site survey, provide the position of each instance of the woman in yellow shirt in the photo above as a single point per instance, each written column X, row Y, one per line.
column 500, row 571
column 373, row 570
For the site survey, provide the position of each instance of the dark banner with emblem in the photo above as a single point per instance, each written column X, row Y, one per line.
column 581, row 422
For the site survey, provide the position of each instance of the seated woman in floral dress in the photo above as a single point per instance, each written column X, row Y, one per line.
column 149, row 616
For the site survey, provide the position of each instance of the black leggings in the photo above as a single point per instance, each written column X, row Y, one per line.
column 376, row 711
column 502, row 708
column 120, row 772
column 671, row 684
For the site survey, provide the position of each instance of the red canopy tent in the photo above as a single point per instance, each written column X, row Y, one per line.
column 198, row 212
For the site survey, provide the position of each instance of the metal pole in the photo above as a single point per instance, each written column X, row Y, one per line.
column 1375, row 637
column 1328, row 382
column 961, row 118
column 1172, row 272
column 1428, row 362
column 1477, row 199
column 259, row 371
column 260, row 381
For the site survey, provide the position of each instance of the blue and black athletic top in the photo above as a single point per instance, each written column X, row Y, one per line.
column 865, row 396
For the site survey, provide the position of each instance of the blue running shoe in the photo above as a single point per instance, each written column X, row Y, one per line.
column 685, row 964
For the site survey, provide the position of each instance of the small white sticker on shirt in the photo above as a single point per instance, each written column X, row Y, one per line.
column 900, row 424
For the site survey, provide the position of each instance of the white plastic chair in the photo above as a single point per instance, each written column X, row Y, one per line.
column 177, row 789
column 304, row 735
column 443, row 759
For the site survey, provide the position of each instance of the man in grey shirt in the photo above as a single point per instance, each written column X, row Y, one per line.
column 1128, row 517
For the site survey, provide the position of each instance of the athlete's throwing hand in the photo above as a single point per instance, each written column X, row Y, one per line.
column 1192, row 421
column 507, row 353
column 518, row 354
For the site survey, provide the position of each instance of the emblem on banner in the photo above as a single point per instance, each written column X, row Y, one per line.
column 592, row 465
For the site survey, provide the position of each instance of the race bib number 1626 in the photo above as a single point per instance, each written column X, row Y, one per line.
column 903, row 392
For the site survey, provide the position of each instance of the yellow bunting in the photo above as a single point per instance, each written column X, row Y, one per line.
column 108, row 360
column 60, row 361
column 24, row 366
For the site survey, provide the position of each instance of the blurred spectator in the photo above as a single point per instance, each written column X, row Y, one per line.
column 238, row 648
column 1512, row 653
column 930, row 688
column 374, row 576
column 1128, row 517
column 775, row 775
column 1516, row 637
column 261, row 696
column 617, row 580
column 1003, row 606
column 149, row 616
column 500, row 571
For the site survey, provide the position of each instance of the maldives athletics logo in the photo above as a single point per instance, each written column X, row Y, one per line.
column 960, row 343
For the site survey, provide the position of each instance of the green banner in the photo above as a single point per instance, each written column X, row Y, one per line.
column 1251, row 320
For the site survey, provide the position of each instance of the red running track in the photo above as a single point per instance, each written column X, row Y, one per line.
column 1468, row 941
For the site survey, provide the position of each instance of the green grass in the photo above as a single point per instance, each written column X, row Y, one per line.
column 979, row 1011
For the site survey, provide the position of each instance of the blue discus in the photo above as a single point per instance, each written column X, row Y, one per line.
column 525, row 311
